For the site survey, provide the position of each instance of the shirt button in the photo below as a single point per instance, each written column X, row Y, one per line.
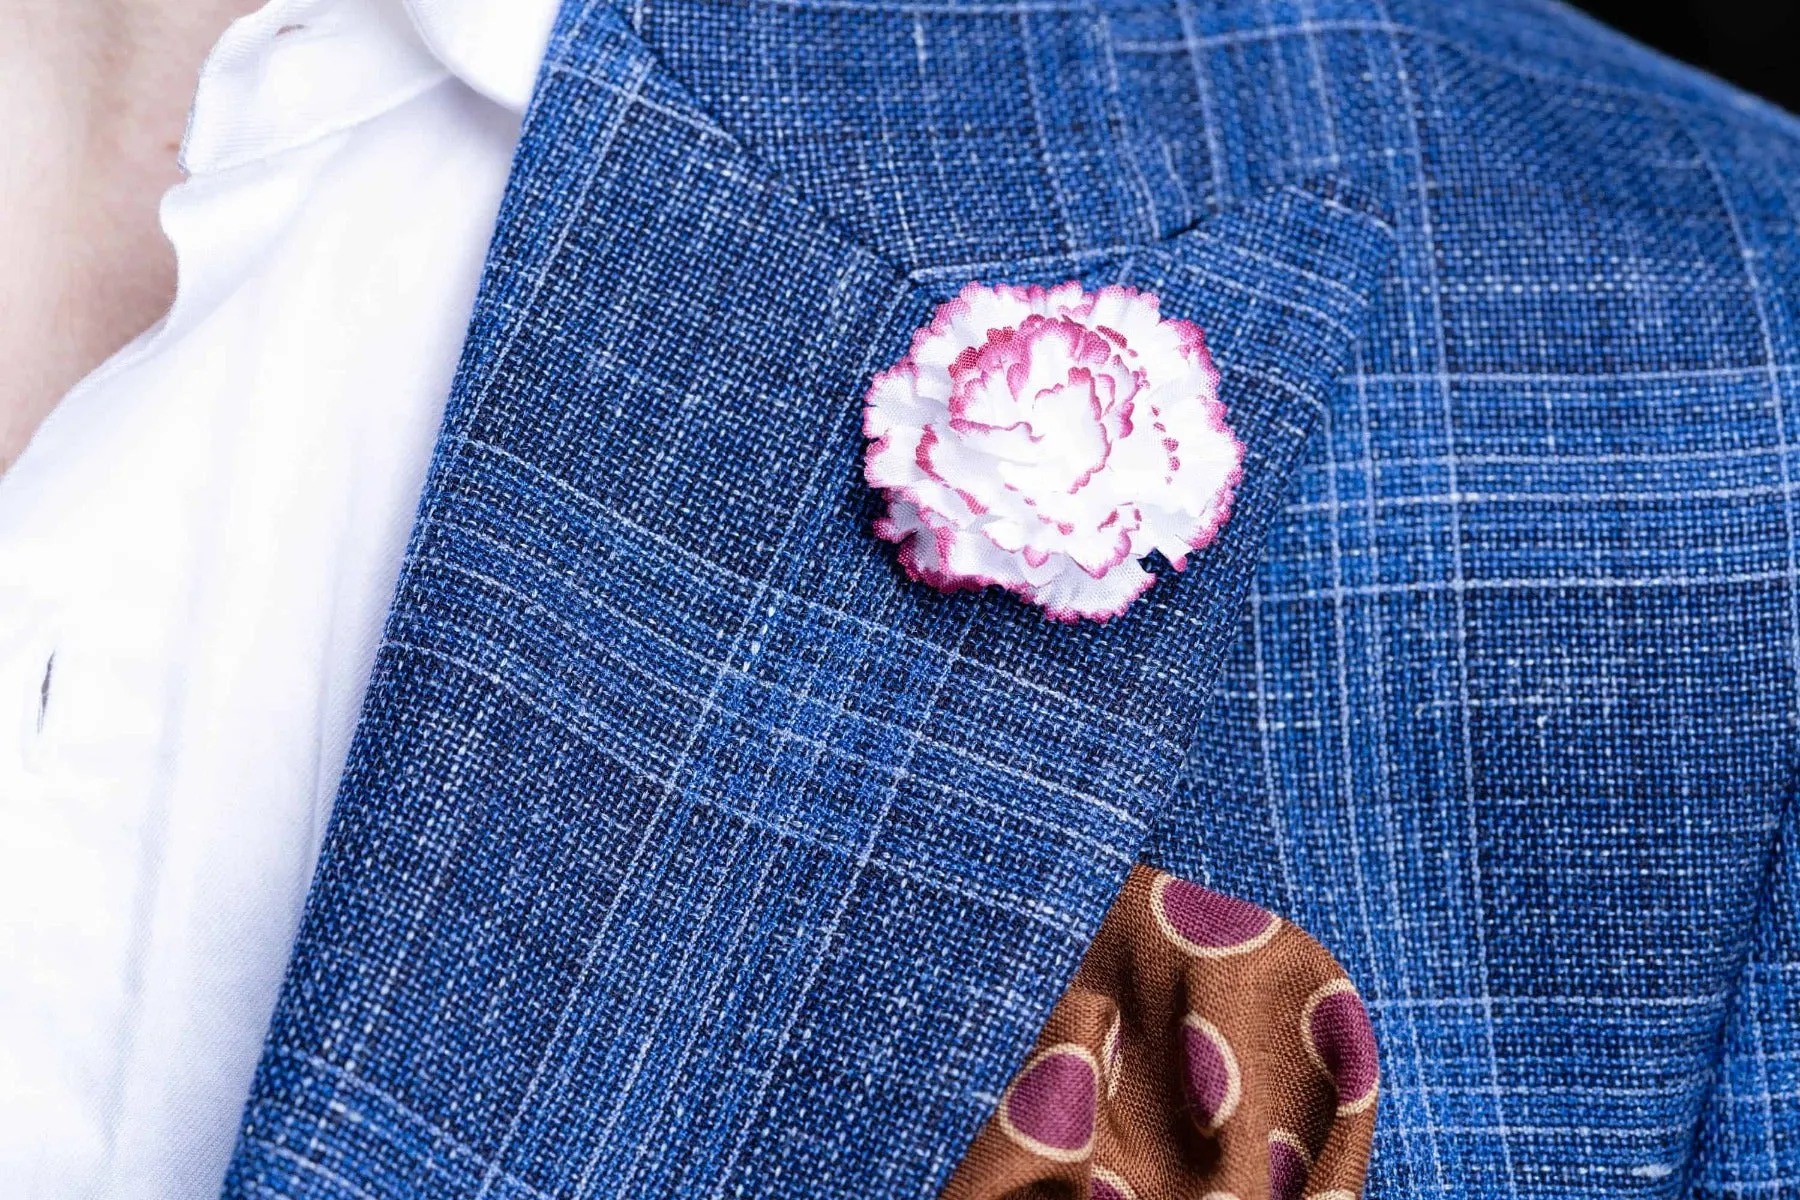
column 27, row 679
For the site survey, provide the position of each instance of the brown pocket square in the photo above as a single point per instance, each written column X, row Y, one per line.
column 1205, row 1048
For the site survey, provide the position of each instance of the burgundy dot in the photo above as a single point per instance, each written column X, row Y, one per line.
column 1203, row 922
column 1050, row 1107
column 1340, row 1040
column 1288, row 1166
column 1109, row 1185
column 1210, row 1072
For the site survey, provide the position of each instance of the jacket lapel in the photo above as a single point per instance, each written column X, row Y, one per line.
column 686, row 849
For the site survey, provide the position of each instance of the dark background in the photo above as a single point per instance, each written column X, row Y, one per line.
column 1753, row 43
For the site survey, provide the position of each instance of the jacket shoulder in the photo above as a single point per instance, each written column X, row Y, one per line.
column 1562, row 57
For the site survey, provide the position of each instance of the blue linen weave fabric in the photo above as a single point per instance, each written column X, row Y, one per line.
column 687, row 850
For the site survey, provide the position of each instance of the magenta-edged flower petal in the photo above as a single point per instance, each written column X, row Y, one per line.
column 1075, row 595
column 1044, row 440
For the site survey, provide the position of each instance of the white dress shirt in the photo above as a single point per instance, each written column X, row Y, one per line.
column 196, row 555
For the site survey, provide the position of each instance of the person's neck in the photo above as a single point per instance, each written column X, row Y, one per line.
column 96, row 94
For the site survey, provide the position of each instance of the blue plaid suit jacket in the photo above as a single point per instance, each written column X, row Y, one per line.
column 687, row 850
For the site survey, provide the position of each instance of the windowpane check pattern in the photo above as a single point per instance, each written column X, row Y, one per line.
column 687, row 850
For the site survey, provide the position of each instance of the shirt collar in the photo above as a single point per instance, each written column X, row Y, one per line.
column 494, row 46
column 296, row 71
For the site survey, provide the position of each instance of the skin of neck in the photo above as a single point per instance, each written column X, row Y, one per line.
column 98, row 94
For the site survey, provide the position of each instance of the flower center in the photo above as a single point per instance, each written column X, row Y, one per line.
column 1047, row 401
